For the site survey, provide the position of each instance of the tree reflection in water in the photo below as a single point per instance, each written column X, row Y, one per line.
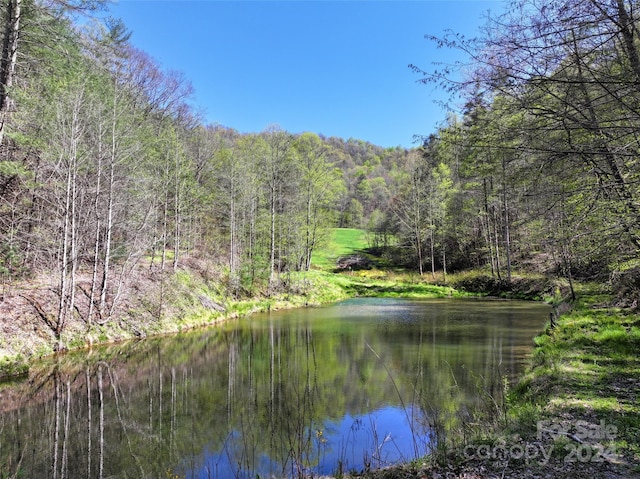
column 356, row 385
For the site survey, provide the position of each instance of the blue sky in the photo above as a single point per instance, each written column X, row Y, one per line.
column 339, row 68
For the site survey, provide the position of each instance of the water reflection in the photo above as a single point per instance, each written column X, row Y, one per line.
column 355, row 385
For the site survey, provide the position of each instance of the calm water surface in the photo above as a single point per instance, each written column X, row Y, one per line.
column 356, row 384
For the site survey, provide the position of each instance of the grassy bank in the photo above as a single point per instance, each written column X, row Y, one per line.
column 196, row 295
column 160, row 303
column 586, row 369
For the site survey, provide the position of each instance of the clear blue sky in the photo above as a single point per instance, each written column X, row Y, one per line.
column 338, row 68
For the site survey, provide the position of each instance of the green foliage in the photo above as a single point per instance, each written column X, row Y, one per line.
column 541, row 186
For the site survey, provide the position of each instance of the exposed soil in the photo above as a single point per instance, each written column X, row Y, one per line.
column 145, row 305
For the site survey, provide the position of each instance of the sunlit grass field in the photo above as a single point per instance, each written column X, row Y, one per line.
column 340, row 242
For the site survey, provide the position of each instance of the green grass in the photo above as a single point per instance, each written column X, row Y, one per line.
column 588, row 368
column 389, row 286
column 374, row 282
column 341, row 242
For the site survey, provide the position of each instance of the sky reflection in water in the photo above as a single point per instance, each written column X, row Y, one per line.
column 311, row 390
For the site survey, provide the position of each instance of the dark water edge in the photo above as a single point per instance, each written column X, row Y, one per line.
column 353, row 385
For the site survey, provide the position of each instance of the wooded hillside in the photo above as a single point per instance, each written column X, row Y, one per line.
column 105, row 167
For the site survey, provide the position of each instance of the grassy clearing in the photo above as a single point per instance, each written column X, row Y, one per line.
column 389, row 284
column 341, row 242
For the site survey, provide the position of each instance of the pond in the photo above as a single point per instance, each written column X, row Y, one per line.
column 361, row 383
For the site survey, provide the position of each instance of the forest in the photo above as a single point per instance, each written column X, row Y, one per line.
column 107, row 169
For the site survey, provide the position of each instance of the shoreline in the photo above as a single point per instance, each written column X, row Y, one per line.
column 539, row 395
column 196, row 305
column 198, row 302
column 573, row 413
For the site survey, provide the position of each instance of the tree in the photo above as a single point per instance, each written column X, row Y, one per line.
column 237, row 184
column 320, row 185
column 275, row 165
column 410, row 207
column 18, row 30
column 12, row 16
column 562, row 76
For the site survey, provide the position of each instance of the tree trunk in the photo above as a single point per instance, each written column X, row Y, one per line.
column 272, row 239
column 444, row 257
column 68, row 251
column 489, row 238
column 626, row 25
column 96, row 243
column 419, row 250
column 308, row 241
column 8, row 60
column 507, row 234
column 107, row 241
column 165, row 219
column 176, row 213
column 620, row 187
column 497, row 245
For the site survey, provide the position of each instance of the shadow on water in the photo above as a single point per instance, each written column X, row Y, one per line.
column 361, row 384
